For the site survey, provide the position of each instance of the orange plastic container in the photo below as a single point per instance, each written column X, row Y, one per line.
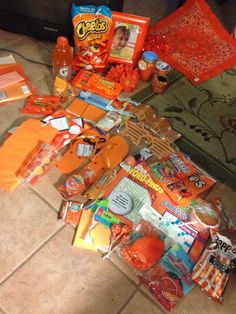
column 62, row 56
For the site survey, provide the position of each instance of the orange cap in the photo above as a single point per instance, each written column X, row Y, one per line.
column 62, row 41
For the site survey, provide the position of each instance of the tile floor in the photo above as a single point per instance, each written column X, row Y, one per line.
column 40, row 271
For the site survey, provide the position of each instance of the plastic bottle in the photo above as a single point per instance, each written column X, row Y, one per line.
column 147, row 65
column 62, row 56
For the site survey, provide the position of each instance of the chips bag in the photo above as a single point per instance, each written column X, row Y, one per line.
column 91, row 33
column 212, row 271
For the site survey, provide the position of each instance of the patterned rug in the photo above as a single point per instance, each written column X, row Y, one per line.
column 206, row 117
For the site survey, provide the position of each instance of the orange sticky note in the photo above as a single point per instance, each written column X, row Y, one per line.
column 88, row 112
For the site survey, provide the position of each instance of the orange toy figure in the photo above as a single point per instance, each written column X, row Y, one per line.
column 143, row 252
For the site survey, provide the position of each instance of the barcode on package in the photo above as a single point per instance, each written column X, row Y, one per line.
column 2, row 94
column 25, row 89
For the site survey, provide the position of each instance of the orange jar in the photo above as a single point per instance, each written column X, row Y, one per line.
column 147, row 65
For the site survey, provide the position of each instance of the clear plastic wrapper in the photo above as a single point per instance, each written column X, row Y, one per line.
column 170, row 279
column 161, row 265
column 38, row 164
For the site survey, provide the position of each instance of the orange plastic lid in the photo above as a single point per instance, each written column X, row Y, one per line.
column 62, row 41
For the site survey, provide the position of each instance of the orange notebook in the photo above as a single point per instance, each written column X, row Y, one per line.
column 85, row 110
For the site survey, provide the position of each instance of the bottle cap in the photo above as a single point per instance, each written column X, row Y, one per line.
column 150, row 56
column 163, row 67
column 62, row 41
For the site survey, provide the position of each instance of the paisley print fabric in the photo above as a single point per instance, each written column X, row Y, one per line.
column 193, row 41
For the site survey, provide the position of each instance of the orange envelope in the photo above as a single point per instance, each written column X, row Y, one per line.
column 18, row 146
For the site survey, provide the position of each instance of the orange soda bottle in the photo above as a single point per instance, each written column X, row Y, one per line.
column 62, row 56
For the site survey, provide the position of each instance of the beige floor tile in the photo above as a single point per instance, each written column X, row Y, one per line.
column 228, row 198
column 46, row 188
column 45, row 86
column 26, row 222
column 29, row 48
column 10, row 117
column 47, row 44
column 66, row 280
column 140, row 304
column 198, row 302
column 6, row 38
column 124, row 267
column 147, row 292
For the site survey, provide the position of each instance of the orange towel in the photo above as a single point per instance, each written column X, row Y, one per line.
column 18, row 146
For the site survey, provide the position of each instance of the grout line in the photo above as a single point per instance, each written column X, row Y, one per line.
column 33, row 254
column 14, row 41
column 42, row 79
column 43, row 199
column 128, row 301
column 127, row 277
column 150, row 299
column 42, row 46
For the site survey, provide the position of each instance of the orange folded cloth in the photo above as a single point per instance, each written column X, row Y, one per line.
column 18, row 146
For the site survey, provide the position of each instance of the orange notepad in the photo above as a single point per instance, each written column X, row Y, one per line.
column 85, row 110
column 14, row 92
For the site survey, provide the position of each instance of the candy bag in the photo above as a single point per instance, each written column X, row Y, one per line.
column 212, row 271
column 91, row 34
column 170, row 279
column 41, row 104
